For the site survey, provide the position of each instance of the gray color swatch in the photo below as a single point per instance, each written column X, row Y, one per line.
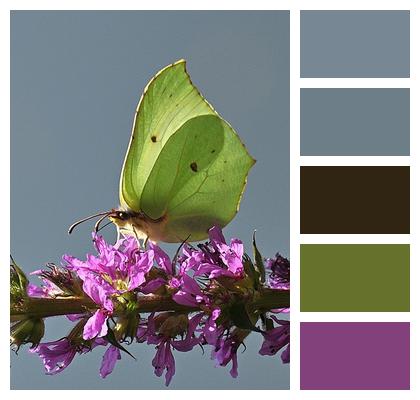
column 355, row 122
column 355, row 44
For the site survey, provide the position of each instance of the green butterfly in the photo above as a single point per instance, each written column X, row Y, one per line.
column 185, row 169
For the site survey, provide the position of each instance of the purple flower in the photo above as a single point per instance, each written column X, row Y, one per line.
column 100, row 292
column 96, row 325
column 285, row 356
column 226, row 351
column 275, row 339
column 164, row 359
column 161, row 258
column 230, row 255
column 119, row 268
column 153, row 285
column 48, row 289
column 219, row 259
column 116, row 270
column 57, row 356
column 190, row 259
column 280, row 272
column 211, row 331
column 189, row 293
column 120, row 278
column 146, row 328
column 162, row 330
column 109, row 360
column 190, row 340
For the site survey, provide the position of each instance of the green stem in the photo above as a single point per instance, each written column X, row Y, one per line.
column 271, row 299
column 47, row 307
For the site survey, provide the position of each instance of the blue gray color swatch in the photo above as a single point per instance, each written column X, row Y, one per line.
column 355, row 122
column 355, row 44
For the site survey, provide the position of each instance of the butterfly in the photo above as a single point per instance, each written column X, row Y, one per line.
column 185, row 169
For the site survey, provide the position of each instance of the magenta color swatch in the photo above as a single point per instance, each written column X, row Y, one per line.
column 355, row 355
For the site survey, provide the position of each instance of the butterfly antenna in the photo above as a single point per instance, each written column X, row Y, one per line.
column 174, row 260
column 98, row 222
column 86, row 219
column 104, row 226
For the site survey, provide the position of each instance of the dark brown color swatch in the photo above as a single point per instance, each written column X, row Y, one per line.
column 355, row 199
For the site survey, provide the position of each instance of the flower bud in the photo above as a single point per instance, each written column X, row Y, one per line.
column 126, row 327
column 18, row 284
column 27, row 331
column 171, row 325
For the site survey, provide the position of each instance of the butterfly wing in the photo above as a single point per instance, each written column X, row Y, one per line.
column 197, row 180
column 168, row 102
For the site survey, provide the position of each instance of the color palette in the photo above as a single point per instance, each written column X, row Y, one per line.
column 355, row 199
column 343, row 355
column 355, row 277
column 365, row 276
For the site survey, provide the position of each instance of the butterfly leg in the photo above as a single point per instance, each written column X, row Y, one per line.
column 137, row 237
column 118, row 235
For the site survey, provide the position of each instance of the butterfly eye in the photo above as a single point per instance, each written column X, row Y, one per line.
column 121, row 215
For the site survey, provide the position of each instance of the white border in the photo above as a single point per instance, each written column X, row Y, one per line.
column 355, row 160
column 295, row 84
column 354, row 239
column 354, row 83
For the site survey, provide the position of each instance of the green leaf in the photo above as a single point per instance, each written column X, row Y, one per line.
column 110, row 336
column 250, row 271
column 258, row 259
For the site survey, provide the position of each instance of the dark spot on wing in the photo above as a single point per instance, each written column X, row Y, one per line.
column 223, row 180
column 170, row 95
column 224, row 161
column 213, row 151
column 193, row 166
column 154, row 138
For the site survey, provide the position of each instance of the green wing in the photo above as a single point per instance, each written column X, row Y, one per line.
column 198, row 179
column 168, row 102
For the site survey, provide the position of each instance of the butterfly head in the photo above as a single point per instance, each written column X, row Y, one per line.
column 138, row 224
column 129, row 223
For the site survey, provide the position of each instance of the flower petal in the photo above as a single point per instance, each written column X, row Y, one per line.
column 153, row 285
column 95, row 326
column 109, row 359
column 161, row 258
column 98, row 290
column 285, row 356
column 170, row 364
column 216, row 235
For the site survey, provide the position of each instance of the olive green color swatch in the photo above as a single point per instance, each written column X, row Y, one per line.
column 354, row 277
